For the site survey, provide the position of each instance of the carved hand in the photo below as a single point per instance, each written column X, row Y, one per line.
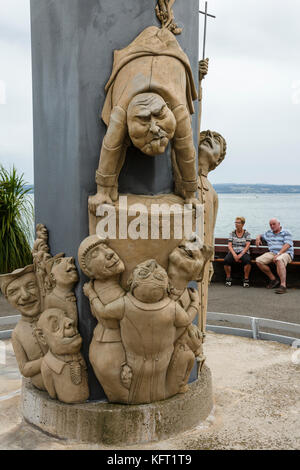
column 203, row 68
column 88, row 290
column 195, row 299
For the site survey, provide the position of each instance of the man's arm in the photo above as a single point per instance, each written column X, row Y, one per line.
column 112, row 311
column 283, row 250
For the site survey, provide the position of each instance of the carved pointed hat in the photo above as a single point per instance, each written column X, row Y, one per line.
column 6, row 279
column 152, row 42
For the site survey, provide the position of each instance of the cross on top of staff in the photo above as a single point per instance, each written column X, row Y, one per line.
column 206, row 14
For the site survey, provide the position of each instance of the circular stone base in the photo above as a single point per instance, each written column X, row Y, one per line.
column 102, row 422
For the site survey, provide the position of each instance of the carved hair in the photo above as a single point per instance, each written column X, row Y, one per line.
column 86, row 246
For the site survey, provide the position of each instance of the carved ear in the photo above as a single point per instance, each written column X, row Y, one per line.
column 38, row 332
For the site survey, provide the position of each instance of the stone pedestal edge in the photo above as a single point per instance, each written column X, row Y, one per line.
column 110, row 424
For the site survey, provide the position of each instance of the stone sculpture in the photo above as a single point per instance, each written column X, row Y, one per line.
column 165, row 15
column 106, row 353
column 21, row 290
column 212, row 151
column 149, row 102
column 63, row 367
column 150, row 323
column 60, row 281
column 47, row 284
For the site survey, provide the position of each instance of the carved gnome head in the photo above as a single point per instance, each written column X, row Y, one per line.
column 149, row 282
column 187, row 261
column 61, row 272
column 21, row 290
column 97, row 260
column 58, row 332
column 212, row 150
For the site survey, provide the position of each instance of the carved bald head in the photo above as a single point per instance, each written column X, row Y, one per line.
column 151, row 124
column 22, row 292
column 212, row 150
column 149, row 282
column 58, row 332
column 97, row 260
column 187, row 261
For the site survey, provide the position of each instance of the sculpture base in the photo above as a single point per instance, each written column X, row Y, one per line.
column 119, row 424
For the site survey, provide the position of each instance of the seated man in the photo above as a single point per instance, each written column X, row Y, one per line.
column 281, row 252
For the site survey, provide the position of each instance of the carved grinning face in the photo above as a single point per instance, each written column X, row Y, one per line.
column 64, row 271
column 210, row 150
column 23, row 294
column 56, row 330
column 149, row 282
column 151, row 124
column 103, row 262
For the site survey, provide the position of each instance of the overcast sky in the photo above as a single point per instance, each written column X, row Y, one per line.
column 251, row 94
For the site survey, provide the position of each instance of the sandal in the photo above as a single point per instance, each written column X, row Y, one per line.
column 228, row 282
column 246, row 283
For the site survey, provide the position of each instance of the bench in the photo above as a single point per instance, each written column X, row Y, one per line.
column 221, row 250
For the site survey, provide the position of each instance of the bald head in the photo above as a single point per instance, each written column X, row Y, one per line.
column 275, row 225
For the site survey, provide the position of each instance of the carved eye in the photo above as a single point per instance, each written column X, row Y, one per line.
column 54, row 325
column 31, row 285
column 144, row 273
column 57, row 261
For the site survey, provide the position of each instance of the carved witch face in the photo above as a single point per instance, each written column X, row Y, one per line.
column 102, row 262
column 149, row 282
column 211, row 150
column 23, row 294
column 64, row 271
column 151, row 124
column 58, row 332
column 187, row 261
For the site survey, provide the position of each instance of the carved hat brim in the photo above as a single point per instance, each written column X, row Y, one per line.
column 6, row 279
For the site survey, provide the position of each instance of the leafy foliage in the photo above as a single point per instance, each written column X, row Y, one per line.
column 16, row 221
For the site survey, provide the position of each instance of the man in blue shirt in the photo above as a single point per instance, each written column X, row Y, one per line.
column 281, row 252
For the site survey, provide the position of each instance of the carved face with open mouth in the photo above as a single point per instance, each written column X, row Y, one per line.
column 151, row 124
column 211, row 150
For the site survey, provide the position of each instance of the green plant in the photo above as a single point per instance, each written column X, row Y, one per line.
column 16, row 221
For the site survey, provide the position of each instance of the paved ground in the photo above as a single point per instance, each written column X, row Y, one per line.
column 257, row 402
column 256, row 302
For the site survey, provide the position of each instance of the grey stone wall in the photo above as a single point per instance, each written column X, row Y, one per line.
column 72, row 54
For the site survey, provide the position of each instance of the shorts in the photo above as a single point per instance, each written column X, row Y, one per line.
column 229, row 259
column 267, row 258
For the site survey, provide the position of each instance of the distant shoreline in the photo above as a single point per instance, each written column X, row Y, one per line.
column 229, row 188
column 256, row 189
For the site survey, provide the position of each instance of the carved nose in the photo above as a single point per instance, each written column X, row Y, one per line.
column 154, row 129
column 68, row 322
column 209, row 133
column 24, row 293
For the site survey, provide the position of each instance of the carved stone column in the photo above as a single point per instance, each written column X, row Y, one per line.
column 72, row 56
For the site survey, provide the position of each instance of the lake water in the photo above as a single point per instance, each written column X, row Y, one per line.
column 258, row 209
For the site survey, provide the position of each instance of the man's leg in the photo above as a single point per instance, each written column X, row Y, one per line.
column 266, row 270
column 281, row 270
column 262, row 262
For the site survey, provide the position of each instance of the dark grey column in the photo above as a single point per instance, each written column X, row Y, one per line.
column 72, row 54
